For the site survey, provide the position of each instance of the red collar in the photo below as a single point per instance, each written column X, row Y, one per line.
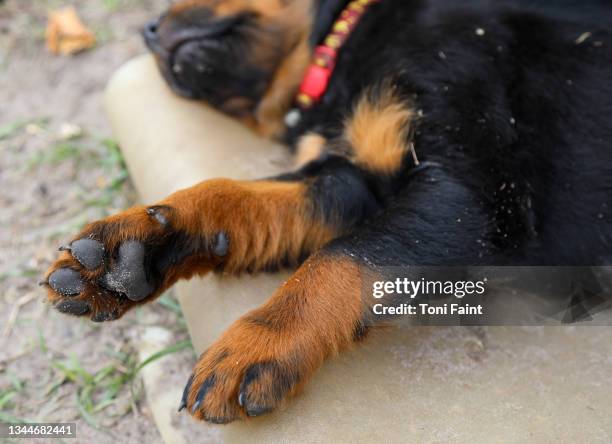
column 323, row 62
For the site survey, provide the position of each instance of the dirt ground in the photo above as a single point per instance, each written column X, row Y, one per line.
column 60, row 168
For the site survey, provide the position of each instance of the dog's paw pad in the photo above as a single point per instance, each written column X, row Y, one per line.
column 66, row 282
column 89, row 252
column 73, row 307
column 103, row 316
column 128, row 275
column 254, row 411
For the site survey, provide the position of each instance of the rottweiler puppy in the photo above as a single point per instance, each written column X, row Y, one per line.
column 428, row 132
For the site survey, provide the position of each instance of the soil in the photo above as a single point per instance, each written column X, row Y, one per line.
column 59, row 168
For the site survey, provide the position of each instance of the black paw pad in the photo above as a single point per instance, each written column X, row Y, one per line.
column 128, row 274
column 254, row 411
column 66, row 282
column 103, row 316
column 88, row 252
column 221, row 244
column 73, row 307
column 215, row 420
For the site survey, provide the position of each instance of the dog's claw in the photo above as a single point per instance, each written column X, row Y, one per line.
column 196, row 406
column 221, row 244
column 157, row 214
column 186, row 393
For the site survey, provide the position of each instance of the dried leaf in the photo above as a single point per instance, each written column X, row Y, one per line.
column 66, row 34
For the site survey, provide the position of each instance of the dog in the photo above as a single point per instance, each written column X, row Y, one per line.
column 427, row 133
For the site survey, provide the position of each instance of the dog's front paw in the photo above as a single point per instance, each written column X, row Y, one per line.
column 126, row 260
column 270, row 353
column 247, row 373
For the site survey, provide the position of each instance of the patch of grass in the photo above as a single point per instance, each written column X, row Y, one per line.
column 18, row 384
column 7, row 405
column 96, row 391
column 104, row 34
column 114, row 161
column 114, row 5
column 111, row 5
column 73, row 225
column 56, row 154
column 181, row 345
column 13, row 128
column 114, row 158
column 19, row 272
column 169, row 303
column 42, row 342
column 7, row 417
column 89, row 153
column 114, row 166
column 105, row 151
column 5, row 397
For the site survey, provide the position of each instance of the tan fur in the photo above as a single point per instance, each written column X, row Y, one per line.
column 292, row 21
column 268, row 223
column 309, row 148
column 229, row 7
column 265, row 220
column 378, row 131
column 296, row 19
column 313, row 316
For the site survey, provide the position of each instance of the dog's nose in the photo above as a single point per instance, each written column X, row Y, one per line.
column 150, row 31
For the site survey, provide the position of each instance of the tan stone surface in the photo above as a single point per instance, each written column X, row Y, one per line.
column 427, row 384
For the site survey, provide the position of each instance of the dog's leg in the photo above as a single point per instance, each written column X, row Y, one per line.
column 270, row 353
column 130, row 258
column 230, row 226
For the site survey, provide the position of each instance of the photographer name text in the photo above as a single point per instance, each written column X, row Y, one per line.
column 403, row 288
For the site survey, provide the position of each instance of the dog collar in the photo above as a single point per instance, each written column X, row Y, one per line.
column 316, row 79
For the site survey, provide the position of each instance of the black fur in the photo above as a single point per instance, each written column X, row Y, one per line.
column 340, row 194
column 514, row 138
column 516, row 127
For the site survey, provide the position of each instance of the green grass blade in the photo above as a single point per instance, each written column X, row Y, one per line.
column 181, row 345
column 5, row 398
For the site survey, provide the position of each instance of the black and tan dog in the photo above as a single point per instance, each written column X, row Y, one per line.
column 429, row 132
